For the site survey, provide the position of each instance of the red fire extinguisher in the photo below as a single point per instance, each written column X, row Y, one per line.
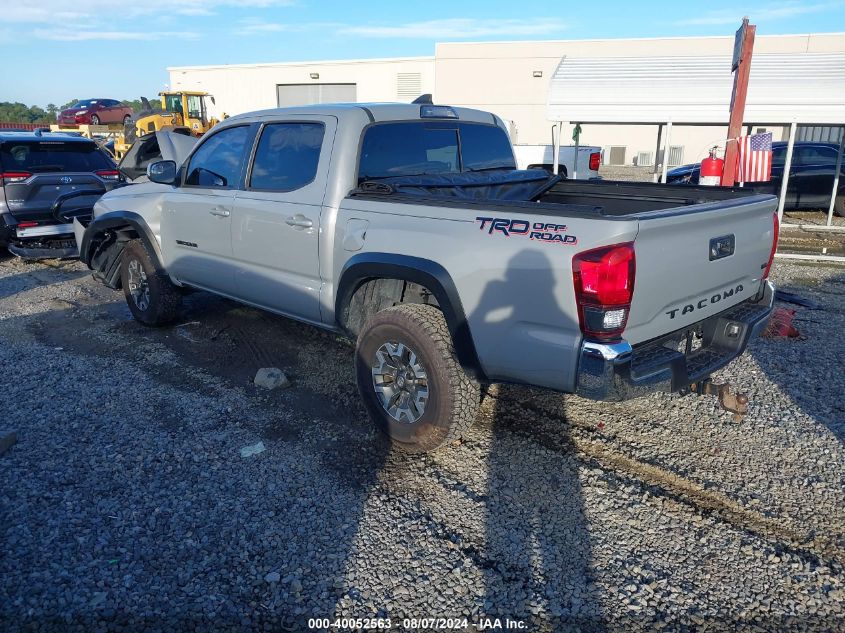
column 711, row 170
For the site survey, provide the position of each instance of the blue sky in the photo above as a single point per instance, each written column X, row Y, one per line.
column 57, row 50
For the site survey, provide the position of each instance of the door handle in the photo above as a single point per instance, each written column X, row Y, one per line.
column 299, row 220
column 220, row 212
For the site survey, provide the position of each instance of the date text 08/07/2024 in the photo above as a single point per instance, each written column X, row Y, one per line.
column 417, row 624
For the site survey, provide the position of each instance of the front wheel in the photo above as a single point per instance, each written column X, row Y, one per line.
column 839, row 205
column 95, row 120
column 410, row 379
column 152, row 298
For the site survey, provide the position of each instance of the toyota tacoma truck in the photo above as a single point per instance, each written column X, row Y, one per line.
column 408, row 228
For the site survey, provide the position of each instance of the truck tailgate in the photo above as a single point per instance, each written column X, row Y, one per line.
column 679, row 281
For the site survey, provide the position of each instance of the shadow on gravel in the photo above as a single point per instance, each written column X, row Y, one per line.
column 809, row 368
column 537, row 564
column 141, row 510
column 31, row 275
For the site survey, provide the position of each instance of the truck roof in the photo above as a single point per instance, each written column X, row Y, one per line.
column 375, row 111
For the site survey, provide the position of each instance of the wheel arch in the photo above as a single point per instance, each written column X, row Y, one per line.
column 365, row 267
column 105, row 238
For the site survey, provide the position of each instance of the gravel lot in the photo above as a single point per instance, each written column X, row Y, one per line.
column 126, row 502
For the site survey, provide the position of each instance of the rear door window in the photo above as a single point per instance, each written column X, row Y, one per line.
column 218, row 161
column 52, row 156
column 816, row 155
column 287, row 156
column 413, row 148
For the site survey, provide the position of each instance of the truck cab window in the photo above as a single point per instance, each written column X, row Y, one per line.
column 217, row 162
column 413, row 148
column 287, row 156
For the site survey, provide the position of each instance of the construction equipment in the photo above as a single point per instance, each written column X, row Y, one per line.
column 112, row 137
column 117, row 139
column 180, row 109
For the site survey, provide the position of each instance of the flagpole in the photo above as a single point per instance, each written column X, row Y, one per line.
column 787, row 166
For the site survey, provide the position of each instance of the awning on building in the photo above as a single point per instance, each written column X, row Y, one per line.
column 805, row 88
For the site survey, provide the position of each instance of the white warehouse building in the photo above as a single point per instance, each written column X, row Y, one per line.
column 511, row 79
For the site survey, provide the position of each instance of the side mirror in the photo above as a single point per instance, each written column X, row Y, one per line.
column 212, row 99
column 162, row 172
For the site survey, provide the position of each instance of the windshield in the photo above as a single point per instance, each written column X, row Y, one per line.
column 410, row 148
column 87, row 103
column 50, row 156
column 173, row 103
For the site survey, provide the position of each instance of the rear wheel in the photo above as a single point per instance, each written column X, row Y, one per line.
column 410, row 379
column 127, row 120
column 95, row 120
column 152, row 298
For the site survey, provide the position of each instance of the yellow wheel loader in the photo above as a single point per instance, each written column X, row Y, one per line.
column 184, row 111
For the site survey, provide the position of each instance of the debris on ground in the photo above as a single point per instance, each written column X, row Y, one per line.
column 780, row 325
column 271, row 378
column 791, row 297
column 252, row 449
column 7, row 440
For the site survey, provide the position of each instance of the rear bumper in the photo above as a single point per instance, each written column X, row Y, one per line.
column 618, row 371
column 46, row 241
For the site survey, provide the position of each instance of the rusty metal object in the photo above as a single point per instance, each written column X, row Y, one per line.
column 736, row 403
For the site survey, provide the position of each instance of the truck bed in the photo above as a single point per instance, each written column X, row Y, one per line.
column 623, row 198
column 548, row 196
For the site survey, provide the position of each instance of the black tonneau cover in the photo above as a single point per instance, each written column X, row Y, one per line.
column 512, row 185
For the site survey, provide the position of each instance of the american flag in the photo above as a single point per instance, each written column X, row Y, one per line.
column 754, row 160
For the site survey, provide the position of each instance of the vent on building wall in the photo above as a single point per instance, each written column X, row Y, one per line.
column 645, row 159
column 408, row 86
column 676, row 155
column 614, row 155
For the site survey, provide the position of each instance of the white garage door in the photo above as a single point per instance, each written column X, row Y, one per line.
column 306, row 94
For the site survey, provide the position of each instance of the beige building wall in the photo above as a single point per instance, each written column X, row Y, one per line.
column 241, row 88
column 502, row 77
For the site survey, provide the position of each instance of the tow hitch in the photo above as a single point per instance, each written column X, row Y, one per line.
column 736, row 403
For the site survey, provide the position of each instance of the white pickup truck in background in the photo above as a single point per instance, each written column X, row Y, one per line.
column 540, row 156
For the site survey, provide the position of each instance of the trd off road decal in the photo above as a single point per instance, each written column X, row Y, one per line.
column 542, row 231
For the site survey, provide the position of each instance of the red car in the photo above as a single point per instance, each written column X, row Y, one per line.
column 95, row 112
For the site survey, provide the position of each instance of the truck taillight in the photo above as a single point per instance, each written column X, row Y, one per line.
column 604, row 285
column 595, row 161
column 775, row 235
column 108, row 174
column 13, row 176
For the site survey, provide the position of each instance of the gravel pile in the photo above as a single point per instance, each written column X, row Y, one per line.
column 126, row 502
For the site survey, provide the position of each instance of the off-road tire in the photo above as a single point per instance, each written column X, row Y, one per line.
column 164, row 297
column 453, row 395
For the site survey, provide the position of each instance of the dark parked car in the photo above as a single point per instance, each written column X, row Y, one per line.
column 45, row 181
column 810, row 176
column 95, row 112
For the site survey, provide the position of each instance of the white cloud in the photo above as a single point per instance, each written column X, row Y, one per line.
column 774, row 11
column 455, row 28
column 58, row 11
column 82, row 35
column 256, row 26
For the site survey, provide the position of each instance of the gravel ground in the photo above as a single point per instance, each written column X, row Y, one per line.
column 126, row 503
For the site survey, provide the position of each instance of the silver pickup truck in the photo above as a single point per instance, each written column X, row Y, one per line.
column 408, row 228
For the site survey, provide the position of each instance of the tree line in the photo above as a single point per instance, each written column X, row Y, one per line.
column 22, row 113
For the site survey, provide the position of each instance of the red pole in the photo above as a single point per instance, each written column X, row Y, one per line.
column 740, row 92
